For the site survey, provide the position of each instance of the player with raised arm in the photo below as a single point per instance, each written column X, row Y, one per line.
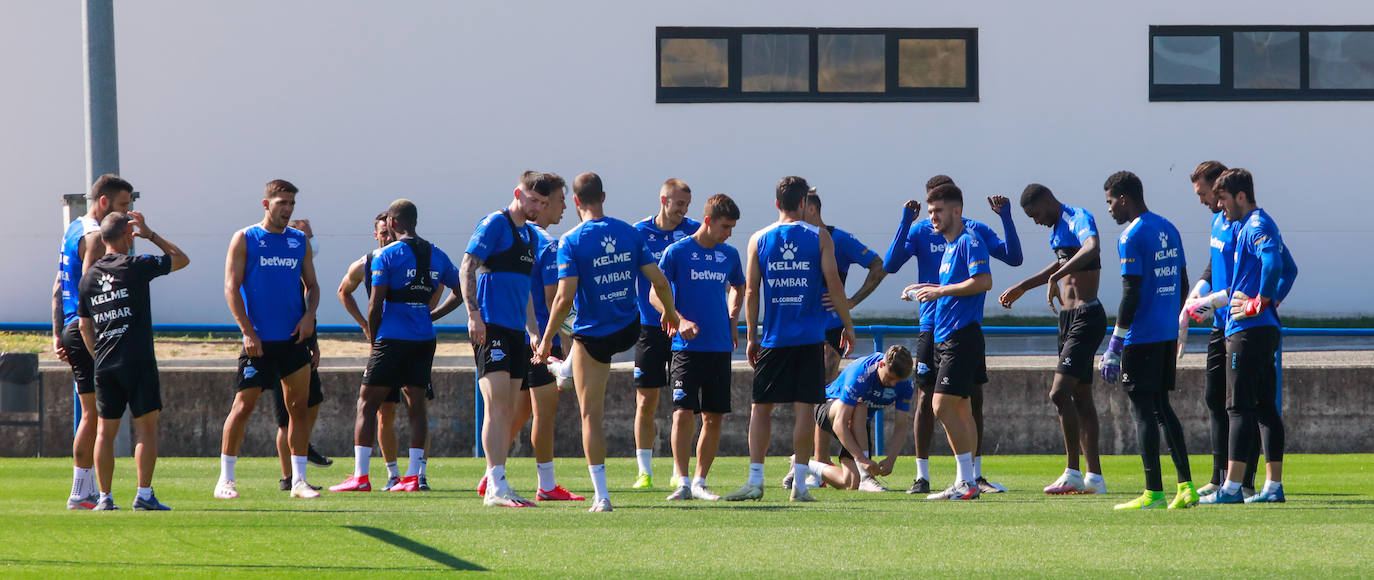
column 496, row 287
column 1141, row 352
column 708, row 289
column 263, row 272
column 406, row 276
column 960, row 351
column 790, row 264
column 597, row 264
column 920, row 240
column 1205, row 305
column 108, row 194
column 116, row 326
column 879, row 380
column 1263, row 275
column 1082, row 326
column 653, row 351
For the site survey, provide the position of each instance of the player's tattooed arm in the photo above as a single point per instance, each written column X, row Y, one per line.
column 477, row 329
column 57, row 317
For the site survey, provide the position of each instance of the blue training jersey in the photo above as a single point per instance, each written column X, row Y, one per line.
column 848, row 252
column 1152, row 249
column 503, row 285
column 69, row 264
column 920, row 240
column 1258, row 238
column 964, row 258
column 1074, row 227
column 394, row 267
column 271, row 287
column 789, row 256
column 657, row 241
column 1223, row 259
column 701, row 278
column 545, row 273
column 858, row 383
column 605, row 255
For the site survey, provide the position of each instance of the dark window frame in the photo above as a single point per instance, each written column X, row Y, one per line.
column 1226, row 91
column 733, row 92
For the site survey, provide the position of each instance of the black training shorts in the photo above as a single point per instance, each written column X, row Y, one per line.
column 602, row 348
column 1149, row 367
column 132, row 385
column 701, row 381
column 83, row 366
column 505, row 350
column 539, row 375
column 790, row 374
column 399, row 363
column 280, row 359
column 924, row 376
column 653, row 350
column 962, row 362
column 1081, row 331
column 832, row 338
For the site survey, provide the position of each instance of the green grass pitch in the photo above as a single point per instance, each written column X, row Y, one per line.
column 1326, row 528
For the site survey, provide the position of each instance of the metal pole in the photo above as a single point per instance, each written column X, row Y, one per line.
column 102, row 121
column 879, row 437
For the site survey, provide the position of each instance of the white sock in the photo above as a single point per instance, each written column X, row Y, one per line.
column 226, row 467
column 424, row 465
column 965, row 469
column 82, row 481
column 755, row 474
column 393, row 469
column 1231, row 487
column 799, row 473
column 684, row 481
column 977, row 468
column 145, row 492
column 362, row 456
column 417, row 456
column 598, row 472
column 645, row 459
column 816, row 468
column 545, row 471
column 496, row 476
column 1073, row 472
column 1272, row 485
column 104, row 496
column 698, row 482
column 297, row 468
column 863, row 473
column 923, row 468
column 1093, row 477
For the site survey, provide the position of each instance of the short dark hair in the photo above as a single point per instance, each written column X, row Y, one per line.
column 588, row 189
column 109, row 185
column 946, row 192
column 555, row 182
column 404, row 212
column 791, row 192
column 1234, row 181
column 276, row 187
column 114, row 226
column 898, row 361
column 535, row 182
column 381, row 217
column 1033, row 193
column 937, row 181
column 1207, row 172
column 1125, row 183
column 813, row 199
column 676, row 184
column 721, row 206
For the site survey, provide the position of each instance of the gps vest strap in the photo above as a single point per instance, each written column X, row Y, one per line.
column 421, row 287
column 517, row 259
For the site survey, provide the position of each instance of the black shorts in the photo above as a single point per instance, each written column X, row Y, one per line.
column 832, row 338
column 790, row 374
column 539, row 375
column 963, row 362
column 394, row 395
column 505, row 350
column 653, row 350
column 1149, row 367
column 280, row 358
column 1081, row 331
column 132, row 385
column 701, row 381
column 924, row 377
column 399, row 363
column 1250, row 372
column 824, row 422
column 315, row 397
column 83, row 366
column 1216, row 362
column 602, row 348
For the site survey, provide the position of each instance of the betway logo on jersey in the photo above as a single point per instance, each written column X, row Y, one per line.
column 1218, row 244
column 277, row 262
column 709, row 275
column 937, row 248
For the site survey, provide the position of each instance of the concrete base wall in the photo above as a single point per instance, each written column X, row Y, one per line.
column 1326, row 410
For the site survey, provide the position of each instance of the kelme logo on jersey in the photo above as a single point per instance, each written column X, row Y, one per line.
column 1163, row 240
column 105, row 282
column 608, row 244
column 789, row 250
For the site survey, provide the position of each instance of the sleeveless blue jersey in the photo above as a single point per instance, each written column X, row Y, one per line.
column 271, row 287
column 69, row 264
column 789, row 256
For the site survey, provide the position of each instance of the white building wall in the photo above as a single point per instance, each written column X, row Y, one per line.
column 446, row 102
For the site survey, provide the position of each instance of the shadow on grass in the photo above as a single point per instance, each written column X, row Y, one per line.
column 429, row 552
column 103, row 565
